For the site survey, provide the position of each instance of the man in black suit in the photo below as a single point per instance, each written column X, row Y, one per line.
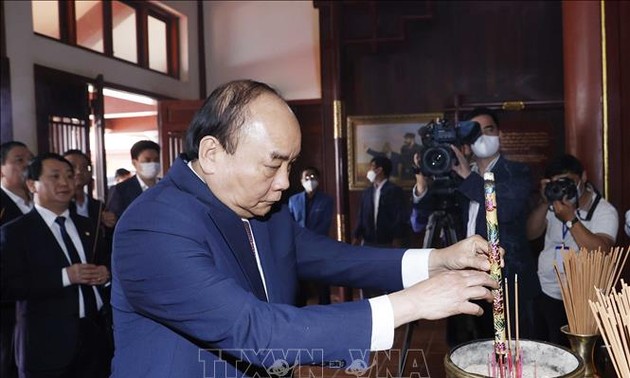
column 84, row 204
column 46, row 264
column 513, row 188
column 381, row 219
column 15, row 201
column 145, row 157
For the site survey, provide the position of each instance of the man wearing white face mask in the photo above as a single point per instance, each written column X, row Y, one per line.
column 513, row 186
column 313, row 210
column 382, row 216
column 145, row 157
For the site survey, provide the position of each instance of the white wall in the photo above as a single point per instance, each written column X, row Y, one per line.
column 24, row 49
column 276, row 42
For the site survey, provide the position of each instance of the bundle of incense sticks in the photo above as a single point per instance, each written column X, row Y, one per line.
column 509, row 365
column 612, row 314
column 495, row 266
column 583, row 273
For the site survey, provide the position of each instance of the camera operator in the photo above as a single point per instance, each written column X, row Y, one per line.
column 513, row 184
column 575, row 216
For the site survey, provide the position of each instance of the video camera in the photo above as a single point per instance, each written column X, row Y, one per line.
column 437, row 136
column 558, row 189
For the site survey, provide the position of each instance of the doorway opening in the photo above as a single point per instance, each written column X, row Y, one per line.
column 128, row 118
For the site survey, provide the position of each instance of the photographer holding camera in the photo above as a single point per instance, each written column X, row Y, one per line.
column 575, row 216
column 513, row 184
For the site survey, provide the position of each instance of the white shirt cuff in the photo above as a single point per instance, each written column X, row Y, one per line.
column 416, row 198
column 65, row 279
column 382, row 323
column 415, row 266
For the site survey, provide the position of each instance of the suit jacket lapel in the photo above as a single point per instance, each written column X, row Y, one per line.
column 227, row 222
column 86, row 234
column 235, row 235
column 263, row 243
column 39, row 227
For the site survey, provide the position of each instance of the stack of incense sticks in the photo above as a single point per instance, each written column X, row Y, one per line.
column 612, row 313
column 511, row 364
column 584, row 272
column 495, row 267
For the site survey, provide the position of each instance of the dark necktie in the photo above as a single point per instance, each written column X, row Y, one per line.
column 89, row 299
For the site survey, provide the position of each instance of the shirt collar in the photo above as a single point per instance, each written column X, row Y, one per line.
column 475, row 168
column 17, row 199
column 143, row 185
column 380, row 185
column 49, row 216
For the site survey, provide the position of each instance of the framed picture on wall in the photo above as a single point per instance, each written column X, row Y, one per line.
column 394, row 136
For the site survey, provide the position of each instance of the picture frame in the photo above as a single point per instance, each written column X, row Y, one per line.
column 369, row 136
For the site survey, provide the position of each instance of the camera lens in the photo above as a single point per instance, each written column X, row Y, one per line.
column 436, row 161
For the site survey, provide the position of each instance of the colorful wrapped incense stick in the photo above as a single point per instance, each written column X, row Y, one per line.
column 495, row 263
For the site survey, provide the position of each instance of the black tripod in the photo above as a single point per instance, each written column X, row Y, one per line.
column 440, row 232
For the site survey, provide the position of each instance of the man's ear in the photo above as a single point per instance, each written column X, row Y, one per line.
column 30, row 184
column 210, row 151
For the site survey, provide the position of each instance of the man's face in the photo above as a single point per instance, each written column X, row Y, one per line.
column 488, row 127
column 14, row 168
column 252, row 179
column 82, row 170
column 409, row 141
column 55, row 187
column 146, row 156
column 309, row 175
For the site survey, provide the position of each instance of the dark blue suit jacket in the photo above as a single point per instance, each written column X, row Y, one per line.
column 188, row 300
column 513, row 185
column 123, row 194
column 319, row 215
column 392, row 215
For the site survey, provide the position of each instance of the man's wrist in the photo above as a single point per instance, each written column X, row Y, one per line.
column 571, row 223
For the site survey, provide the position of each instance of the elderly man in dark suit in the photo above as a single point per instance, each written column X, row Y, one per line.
column 15, row 201
column 206, row 264
column 47, row 266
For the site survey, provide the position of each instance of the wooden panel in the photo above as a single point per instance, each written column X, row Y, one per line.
column 174, row 116
column 444, row 53
column 618, row 92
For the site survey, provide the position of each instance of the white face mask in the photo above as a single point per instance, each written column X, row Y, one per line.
column 149, row 170
column 371, row 175
column 310, row 185
column 485, row 146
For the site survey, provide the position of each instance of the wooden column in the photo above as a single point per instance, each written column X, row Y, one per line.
column 583, row 86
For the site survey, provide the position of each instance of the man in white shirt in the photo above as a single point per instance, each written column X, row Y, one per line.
column 576, row 216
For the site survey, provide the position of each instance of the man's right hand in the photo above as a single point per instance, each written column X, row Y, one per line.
column 84, row 274
column 421, row 182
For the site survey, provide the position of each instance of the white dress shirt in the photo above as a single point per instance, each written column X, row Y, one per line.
column 49, row 217
column 24, row 206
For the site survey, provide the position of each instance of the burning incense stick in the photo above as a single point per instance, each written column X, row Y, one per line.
column 495, row 266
